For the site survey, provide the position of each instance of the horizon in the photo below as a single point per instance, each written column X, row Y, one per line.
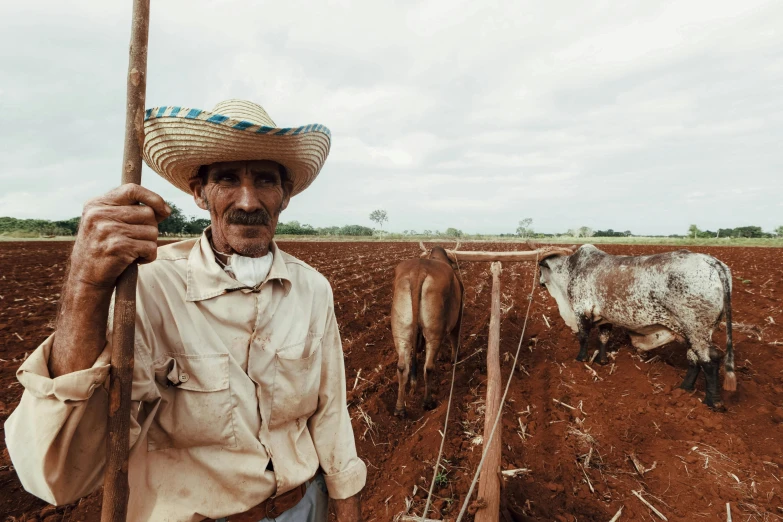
column 419, row 232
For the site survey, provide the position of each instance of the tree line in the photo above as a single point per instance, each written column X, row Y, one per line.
column 178, row 224
column 749, row 231
column 525, row 229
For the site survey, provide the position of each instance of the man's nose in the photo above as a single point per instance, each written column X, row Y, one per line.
column 247, row 199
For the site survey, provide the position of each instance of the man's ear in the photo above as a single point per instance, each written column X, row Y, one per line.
column 197, row 188
column 288, row 186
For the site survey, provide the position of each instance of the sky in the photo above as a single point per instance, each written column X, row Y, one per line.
column 630, row 115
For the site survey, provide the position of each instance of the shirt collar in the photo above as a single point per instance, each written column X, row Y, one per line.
column 207, row 279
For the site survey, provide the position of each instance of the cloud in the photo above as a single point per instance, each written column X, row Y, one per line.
column 625, row 115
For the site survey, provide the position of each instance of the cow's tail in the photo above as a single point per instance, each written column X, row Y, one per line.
column 730, row 380
column 415, row 287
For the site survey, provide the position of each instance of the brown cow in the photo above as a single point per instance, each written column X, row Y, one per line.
column 426, row 309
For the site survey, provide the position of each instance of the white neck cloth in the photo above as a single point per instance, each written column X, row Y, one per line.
column 250, row 271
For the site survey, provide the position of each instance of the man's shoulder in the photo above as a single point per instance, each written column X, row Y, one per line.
column 177, row 250
column 172, row 258
column 301, row 272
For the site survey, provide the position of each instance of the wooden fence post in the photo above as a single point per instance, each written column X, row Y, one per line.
column 489, row 483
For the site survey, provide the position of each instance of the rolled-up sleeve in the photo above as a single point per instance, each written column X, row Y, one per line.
column 330, row 427
column 56, row 436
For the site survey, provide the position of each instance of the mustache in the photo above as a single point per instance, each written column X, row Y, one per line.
column 240, row 217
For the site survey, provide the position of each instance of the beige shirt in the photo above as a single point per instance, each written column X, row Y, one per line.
column 226, row 377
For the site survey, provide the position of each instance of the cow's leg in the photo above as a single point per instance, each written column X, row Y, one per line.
column 431, row 351
column 604, row 331
column 454, row 341
column 585, row 325
column 404, row 353
column 693, row 371
column 711, row 369
column 455, row 332
column 414, row 376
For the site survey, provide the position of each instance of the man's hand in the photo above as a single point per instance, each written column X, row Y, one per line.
column 347, row 510
column 114, row 232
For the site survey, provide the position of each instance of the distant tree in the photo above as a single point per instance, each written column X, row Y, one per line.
column 175, row 224
column 779, row 231
column 752, row 231
column 585, row 232
column 355, row 230
column 524, row 230
column 296, row 229
column 693, row 230
column 427, row 232
column 725, row 232
column 195, row 226
column 453, row 232
column 379, row 216
column 329, row 231
column 611, row 233
column 70, row 226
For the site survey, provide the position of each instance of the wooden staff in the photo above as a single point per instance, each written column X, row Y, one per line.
column 489, row 483
column 115, row 482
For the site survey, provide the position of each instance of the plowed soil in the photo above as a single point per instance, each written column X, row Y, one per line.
column 571, row 428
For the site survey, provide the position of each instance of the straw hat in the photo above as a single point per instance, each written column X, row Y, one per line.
column 178, row 140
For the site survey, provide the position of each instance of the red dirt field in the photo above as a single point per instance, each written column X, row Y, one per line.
column 576, row 459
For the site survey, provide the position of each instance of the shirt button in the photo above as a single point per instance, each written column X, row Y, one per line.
column 183, row 377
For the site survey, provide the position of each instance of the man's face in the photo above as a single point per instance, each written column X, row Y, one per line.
column 244, row 199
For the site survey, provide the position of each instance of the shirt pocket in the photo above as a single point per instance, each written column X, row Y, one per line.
column 296, row 383
column 195, row 407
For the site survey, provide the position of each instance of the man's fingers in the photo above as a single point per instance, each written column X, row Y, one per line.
column 132, row 214
column 147, row 250
column 143, row 233
column 142, row 251
column 132, row 194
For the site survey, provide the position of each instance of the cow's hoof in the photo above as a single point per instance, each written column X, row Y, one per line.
column 400, row 413
column 429, row 404
column 581, row 358
column 690, row 388
column 603, row 362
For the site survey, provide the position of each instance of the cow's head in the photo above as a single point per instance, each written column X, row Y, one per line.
column 439, row 254
column 555, row 277
column 556, row 269
column 553, row 271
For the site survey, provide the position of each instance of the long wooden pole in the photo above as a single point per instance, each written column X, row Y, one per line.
column 519, row 255
column 115, row 482
column 528, row 255
column 489, row 483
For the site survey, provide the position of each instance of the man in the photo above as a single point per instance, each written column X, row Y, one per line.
column 239, row 385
